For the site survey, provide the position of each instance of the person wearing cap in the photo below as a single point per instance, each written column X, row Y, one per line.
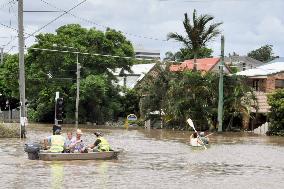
column 57, row 142
column 78, row 145
column 204, row 139
column 101, row 144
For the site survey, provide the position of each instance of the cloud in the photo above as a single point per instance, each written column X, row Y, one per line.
column 248, row 24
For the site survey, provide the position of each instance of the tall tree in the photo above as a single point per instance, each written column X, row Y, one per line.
column 186, row 54
column 199, row 31
column 263, row 54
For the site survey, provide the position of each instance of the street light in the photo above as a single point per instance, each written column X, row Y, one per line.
column 77, row 81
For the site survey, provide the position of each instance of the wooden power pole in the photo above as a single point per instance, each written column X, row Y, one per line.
column 21, row 68
column 221, row 88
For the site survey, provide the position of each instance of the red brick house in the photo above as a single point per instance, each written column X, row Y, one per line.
column 264, row 79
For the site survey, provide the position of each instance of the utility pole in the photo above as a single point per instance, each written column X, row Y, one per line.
column 21, row 67
column 221, row 88
column 2, row 54
column 78, row 91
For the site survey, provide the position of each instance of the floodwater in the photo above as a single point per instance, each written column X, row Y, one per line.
column 151, row 159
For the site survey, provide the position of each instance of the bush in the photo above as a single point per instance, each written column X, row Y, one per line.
column 9, row 131
column 276, row 116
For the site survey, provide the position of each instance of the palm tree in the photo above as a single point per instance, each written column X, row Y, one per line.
column 198, row 33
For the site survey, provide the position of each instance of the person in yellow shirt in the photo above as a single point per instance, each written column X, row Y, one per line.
column 101, row 144
column 57, row 142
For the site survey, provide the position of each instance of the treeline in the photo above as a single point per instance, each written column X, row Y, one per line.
column 48, row 72
column 193, row 94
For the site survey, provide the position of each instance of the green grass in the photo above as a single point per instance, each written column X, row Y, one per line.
column 9, row 130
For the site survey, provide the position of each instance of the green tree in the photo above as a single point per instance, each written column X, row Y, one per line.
column 48, row 72
column 198, row 33
column 276, row 116
column 186, row 54
column 263, row 54
column 195, row 95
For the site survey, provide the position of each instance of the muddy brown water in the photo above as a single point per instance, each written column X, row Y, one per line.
column 151, row 159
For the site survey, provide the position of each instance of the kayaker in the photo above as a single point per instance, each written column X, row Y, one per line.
column 194, row 140
column 57, row 142
column 78, row 145
column 101, row 144
column 204, row 139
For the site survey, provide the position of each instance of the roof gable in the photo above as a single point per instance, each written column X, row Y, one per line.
column 204, row 64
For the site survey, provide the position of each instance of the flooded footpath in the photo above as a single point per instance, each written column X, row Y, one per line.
column 151, row 159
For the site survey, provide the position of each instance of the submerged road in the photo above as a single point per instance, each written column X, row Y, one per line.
column 151, row 159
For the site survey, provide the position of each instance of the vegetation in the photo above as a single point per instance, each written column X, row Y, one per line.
column 276, row 116
column 9, row 131
column 48, row 72
column 198, row 33
column 186, row 54
column 195, row 95
column 263, row 54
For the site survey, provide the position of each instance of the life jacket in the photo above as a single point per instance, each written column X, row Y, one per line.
column 57, row 143
column 103, row 145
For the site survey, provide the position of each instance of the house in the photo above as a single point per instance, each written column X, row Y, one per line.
column 242, row 62
column 130, row 79
column 203, row 65
column 264, row 79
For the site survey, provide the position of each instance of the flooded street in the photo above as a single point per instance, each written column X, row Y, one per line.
column 151, row 159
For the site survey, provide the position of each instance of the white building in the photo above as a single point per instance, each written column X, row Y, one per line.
column 147, row 54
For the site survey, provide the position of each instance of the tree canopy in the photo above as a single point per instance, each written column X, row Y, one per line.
column 263, row 54
column 198, row 31
column 48, row 72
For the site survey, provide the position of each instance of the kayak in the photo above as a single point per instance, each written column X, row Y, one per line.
column 48, row 156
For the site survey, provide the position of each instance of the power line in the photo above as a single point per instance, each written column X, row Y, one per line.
column 33, row 34
column 66, row 12
column 6, row 4
column 101, row 25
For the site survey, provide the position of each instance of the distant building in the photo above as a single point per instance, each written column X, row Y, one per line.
column 242, row 62
column 147, row 54
column 203, row 65
column 130, row 79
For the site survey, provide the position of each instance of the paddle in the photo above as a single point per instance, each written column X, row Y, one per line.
column 190, row 122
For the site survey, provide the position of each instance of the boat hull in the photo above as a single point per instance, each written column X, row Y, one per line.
column 47, row 156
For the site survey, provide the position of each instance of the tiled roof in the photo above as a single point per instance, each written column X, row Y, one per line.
column 204, row 64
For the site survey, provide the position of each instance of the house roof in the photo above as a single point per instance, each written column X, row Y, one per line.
column 279, row 59
column 267, row 69
column 132, row 78
column 204, row 64
column 137, row 69
column 242, row 59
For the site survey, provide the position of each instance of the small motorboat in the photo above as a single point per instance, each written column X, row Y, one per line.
column 35, row 153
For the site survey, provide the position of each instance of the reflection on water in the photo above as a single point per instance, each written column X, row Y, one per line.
column 151, row 159
column 57, row 175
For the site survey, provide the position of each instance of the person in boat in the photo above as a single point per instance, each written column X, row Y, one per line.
column 194, row 140
column 69, row 140
column 101, row 144
column 204, row 139
column 78, row 145
column 57, row 142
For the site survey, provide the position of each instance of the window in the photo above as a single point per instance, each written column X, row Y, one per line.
column 279, row 83
column 255, row 85
column 244, row 66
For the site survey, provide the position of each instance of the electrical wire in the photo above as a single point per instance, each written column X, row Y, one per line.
column 103, row 26
column 66, row 12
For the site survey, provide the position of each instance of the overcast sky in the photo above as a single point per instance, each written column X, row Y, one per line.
column 248, row 24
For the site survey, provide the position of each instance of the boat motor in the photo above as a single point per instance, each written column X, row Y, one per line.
column 32, row 150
